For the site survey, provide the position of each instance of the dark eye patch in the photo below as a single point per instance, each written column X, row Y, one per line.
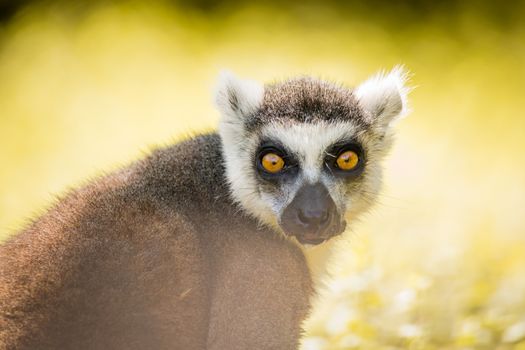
column 333, row 152
column 291, row 165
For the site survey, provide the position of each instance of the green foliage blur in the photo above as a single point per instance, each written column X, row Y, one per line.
column 86, row 87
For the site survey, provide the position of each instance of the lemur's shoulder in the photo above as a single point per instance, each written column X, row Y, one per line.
column 102, row 266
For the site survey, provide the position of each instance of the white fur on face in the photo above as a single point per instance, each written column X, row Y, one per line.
column 309, row 142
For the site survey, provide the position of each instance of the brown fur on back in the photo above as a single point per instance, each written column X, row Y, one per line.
column 155, row 256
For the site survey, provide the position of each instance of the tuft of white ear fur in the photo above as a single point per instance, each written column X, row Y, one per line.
column 384, row 96
column 237, row 98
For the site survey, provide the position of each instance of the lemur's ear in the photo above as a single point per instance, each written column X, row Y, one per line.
column 237, row 98
column 384, row 96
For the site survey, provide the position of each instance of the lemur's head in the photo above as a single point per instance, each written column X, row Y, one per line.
column 304, row 155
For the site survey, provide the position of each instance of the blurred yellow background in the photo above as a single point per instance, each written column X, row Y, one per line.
column 438, row 264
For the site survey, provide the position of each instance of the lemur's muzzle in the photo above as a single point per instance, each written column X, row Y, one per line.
column 312, row 216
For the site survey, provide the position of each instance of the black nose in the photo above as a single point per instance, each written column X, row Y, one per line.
column 312, row 215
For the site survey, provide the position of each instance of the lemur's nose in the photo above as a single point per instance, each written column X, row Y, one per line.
column 312, row 215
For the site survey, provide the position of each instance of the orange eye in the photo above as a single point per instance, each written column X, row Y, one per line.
column 347, row 160
column 272, row 163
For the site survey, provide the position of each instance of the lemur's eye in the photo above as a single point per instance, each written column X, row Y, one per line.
column 272, row 163
column 347, row 160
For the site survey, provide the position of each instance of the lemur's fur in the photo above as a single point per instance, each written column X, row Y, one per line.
column 186, row 248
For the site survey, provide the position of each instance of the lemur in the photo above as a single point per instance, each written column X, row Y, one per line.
column 205, row 244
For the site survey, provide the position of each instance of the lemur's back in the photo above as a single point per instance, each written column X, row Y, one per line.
column 154, row 256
